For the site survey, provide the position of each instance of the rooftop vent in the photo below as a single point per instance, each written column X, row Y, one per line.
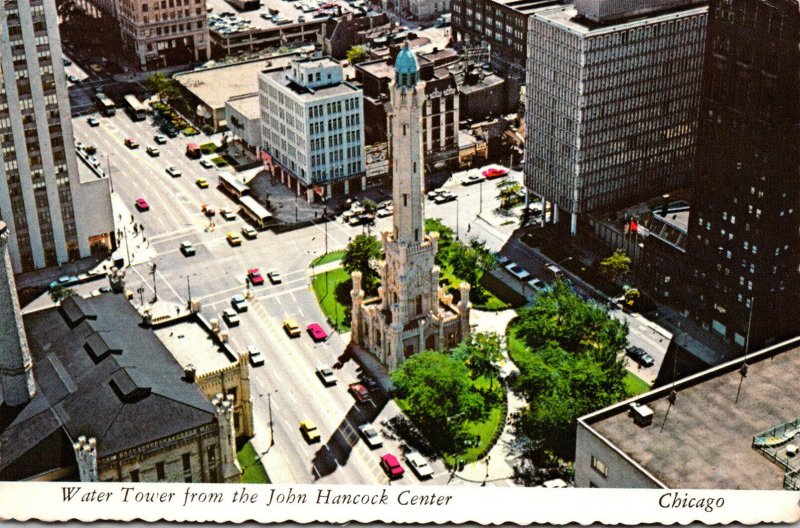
column 642, row 414
column 126, row 389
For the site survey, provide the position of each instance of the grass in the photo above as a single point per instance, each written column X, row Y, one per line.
column 208, row 148
column 218, row 161
column 252, row 469
column 634, row 385
column 492, row 301
column 325, row 289
column 328, row 257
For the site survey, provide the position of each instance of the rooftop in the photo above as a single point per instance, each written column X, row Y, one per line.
column 98, row 373
column 190, row 344
column 705, row 440
column 568, row 18
column 247, row 105
column 282, row 78
column 524, row 6
column 240, row 79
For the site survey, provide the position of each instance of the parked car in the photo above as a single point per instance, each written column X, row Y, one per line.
column 640, row 356
column 187, row 248
column 391, row 466
column 230, row 317
column 517, row 271
column 419, row 465
column 73, row 79
column 256, row 356
column 310, row 431
column 444, row 198
column 249, row 232
column 239, row 303
column 159, row 139
column 153, row 151
column 202, row 183
column 327, row 376
column 433, row 194
column 131, row 143
column 255, row 277
column 227, row 214
column 494, row 172
column 233, row 239
column 64, row 281
column 316, row 332
column 206, row 164
column 93, row 122
column 142, row 205
column 472, row 179
column 173, row 171
column 359, row 391
column 274, row 277
column 384, row 211
column 538, row 285
column 371, row 436
column 291, row 327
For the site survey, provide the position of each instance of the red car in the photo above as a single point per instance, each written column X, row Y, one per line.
column 494, row 172
column 391, row 466
column 255, row 277
column 142, row 205
column 359, row 391
column 316, row 332
column 131, row 143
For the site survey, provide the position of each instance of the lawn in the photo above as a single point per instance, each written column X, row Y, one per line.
column 218, row 161
column 492, row 302
column 325, row 287
column 328, row 257
column 634, row 385
column 252, row 469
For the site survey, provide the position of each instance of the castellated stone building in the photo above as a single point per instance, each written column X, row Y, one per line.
column 88, row 393
column 411, row 313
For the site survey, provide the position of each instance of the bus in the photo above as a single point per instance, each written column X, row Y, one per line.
column 232, row 186
column 255, row 211
column 107, row 107
column 135, row 109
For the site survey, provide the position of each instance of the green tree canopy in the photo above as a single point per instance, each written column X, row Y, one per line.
column 616, row 265
column 571, row 366
column 439, row 396
column 60, row 292
column 360, row 255
column 357, row 54
column 480, row 351
column 470, row 262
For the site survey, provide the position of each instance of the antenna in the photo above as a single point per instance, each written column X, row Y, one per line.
column 743, row 369
column 673, row 394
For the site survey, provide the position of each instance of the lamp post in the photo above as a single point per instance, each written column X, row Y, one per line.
column 108, row 164
column 457, row 218
column 189, row 288
column 153, row 269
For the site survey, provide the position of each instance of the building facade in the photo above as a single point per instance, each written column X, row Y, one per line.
column 312, row 128
column 412, row 313
column 500, row 27
column 421, row 9
column 52, row 215
column 162, row 33
column 612, row 107
column 744, row 229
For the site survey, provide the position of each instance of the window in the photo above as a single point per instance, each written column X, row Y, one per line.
column 160, row 471
column 187, row 467
column 599, row 466
column 405, row 200
column 135, row 475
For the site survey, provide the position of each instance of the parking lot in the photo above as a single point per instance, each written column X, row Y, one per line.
column 225, row 18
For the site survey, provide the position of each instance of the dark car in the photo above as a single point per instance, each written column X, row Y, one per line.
column 640, row 356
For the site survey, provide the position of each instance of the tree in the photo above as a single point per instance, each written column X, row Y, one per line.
column 60, row 292
column 439, row 397
column 471, row 262
column 480, row 351
column 571, row 365
column 361, row 255
column 631, row 296
column 369, row 207
column 446, row 236
column 357, row 54
column 616, row 265
column 509, row 193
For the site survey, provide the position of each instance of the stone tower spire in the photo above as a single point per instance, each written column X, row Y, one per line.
column 408, row 174
column 16, row 370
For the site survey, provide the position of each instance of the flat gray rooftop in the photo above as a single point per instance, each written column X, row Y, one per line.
column 190, row 344
column 566, row 17
column 281, row 77
column 705, row 439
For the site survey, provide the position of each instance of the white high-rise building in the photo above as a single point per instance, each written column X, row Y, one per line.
column 312, row 128
column 52, row 215
column 411, row 313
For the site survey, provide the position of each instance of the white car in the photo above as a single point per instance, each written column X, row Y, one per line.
column 256, row 357
column 419, row 465
column 239, row 303
column 274, row 277
column 538, row 285
column 227, row 214
column 206, row 164
column 230, row 317
column 517, row 271
column 386, row 211
column 371, row 436
column 326, row 375
column 249, row 232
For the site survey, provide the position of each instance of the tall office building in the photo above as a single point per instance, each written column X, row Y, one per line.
column 52, row 215
column 312, row 127
column 612, row 102
column 745, row 227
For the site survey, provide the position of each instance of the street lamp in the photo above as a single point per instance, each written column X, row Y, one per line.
column 456, row 218
column 110, row 180
column 189, row 289
column 155, row 289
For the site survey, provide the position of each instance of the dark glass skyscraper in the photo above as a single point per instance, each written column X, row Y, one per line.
column 745, row 227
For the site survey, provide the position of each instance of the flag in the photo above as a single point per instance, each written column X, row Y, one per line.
column 633, row 226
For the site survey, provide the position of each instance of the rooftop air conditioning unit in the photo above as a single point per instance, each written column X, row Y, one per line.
column 642, row 414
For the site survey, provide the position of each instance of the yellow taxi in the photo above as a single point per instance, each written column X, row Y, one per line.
column 233, row 239
column 291, row 327
column 310, row 431
column 202, row 183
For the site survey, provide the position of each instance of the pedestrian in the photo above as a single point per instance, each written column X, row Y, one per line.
column 131, row 218
column 177, row 310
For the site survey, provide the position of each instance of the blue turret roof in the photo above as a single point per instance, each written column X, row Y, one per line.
column 406, row 68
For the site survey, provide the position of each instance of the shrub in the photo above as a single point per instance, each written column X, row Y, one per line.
column 219, row 162
column 208, row 129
